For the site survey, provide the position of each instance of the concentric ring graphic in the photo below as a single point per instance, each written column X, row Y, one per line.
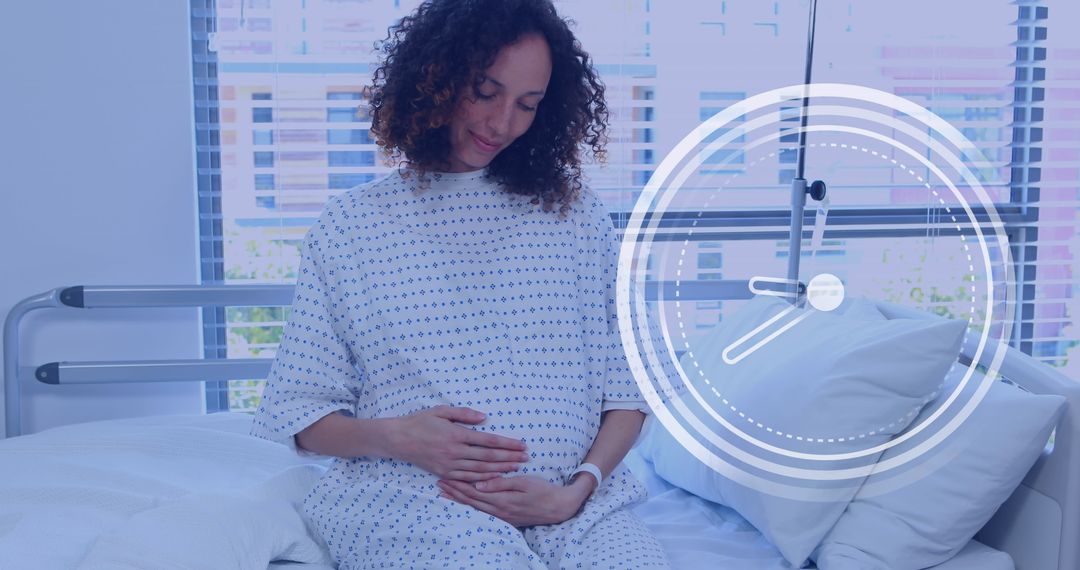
column 835, row 110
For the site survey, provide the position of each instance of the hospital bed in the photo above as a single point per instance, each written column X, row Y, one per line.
column 201, row 493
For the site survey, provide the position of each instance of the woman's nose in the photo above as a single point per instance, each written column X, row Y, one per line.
column 499, row 119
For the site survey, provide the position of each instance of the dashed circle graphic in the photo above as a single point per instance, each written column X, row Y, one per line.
column 903, row 420
column 825, row 456
column 666, row 177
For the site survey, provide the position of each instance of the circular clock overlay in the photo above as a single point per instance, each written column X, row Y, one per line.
column 909, row 230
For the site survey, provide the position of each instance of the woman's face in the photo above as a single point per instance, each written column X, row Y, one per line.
column 503, row 105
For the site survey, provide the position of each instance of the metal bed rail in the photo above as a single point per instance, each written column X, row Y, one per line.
column 100, row 297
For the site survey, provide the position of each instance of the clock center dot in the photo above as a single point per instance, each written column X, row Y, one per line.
column 825, row 292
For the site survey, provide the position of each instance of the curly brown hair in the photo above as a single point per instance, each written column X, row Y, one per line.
column 438, row 54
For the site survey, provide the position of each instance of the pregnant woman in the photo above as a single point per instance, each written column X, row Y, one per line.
column 453, row 339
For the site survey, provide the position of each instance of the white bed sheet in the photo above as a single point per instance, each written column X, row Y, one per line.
column 699, row 534
column 122, row 493
column 176, row 492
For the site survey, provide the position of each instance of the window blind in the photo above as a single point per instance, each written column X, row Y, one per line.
column 280, row 128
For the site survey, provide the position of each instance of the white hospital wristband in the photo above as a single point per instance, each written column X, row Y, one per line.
column 591, row 470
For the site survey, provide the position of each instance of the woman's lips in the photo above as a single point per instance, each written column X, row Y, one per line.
column 483, row 145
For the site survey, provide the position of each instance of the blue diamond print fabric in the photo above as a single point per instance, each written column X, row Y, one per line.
column 458, row 293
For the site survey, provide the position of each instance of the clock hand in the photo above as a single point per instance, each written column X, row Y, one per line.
column 787, row 292
column 825, row 292
column 726, row 355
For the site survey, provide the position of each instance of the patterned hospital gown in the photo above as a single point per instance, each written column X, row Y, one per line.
column 465, row 295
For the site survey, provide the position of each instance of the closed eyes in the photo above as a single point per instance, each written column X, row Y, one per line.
column 488, row 96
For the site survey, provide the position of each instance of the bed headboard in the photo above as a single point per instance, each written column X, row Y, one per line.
column 1039, row 525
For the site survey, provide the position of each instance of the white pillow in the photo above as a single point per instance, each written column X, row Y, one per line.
column 857, row 380
column 928, row 521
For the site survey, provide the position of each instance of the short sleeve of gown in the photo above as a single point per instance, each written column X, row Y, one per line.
column 314, row 372
column 620, row 388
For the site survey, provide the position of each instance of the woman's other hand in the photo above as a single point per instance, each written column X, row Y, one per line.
column 433, row 440
column 524, row 500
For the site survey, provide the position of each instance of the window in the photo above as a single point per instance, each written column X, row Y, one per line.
column 262, row 115
column 348, row 136
column 264, row 181
column 710, row 260
column 641, row 177
column 342, row 115
column 264, row 159
column 343, row 96
column 643, row 135
column 644, row 156
column 262, row 137
column 1003, row 74
column 344, row 181
column 351, row 158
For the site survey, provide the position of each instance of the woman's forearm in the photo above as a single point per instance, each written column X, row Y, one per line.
column 619, row 430
column 343, row 436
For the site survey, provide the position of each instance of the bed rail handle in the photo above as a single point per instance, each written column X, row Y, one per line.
column 72, row 297
column 139, row 371
column 90, row 297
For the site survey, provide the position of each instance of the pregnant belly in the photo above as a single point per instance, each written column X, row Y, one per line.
column 557, row 439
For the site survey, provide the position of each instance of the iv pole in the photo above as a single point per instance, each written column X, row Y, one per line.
column 799, row 188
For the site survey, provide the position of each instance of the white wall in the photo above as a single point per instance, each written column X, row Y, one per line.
column 97, row 188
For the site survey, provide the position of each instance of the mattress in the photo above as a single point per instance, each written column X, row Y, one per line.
column 201, row 493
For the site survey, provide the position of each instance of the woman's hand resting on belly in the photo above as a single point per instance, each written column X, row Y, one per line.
column 526, row 500
column 523, row 500
column 431, row 439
